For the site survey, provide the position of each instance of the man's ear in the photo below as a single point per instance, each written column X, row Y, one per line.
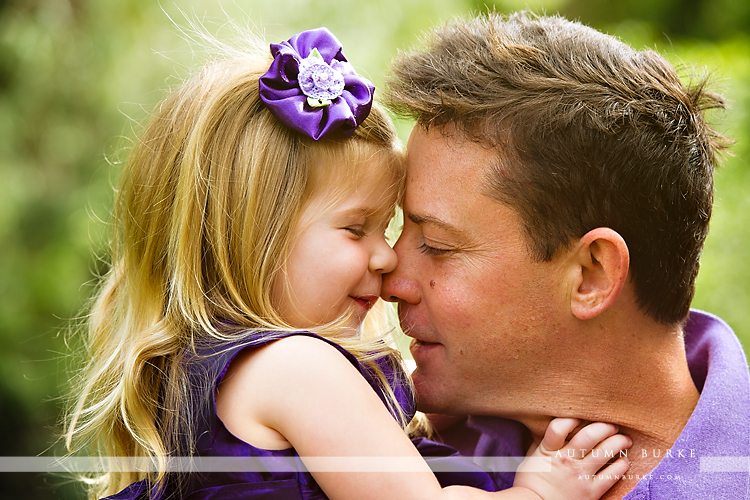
column 601, row 261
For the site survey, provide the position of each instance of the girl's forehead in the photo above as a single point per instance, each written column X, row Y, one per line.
column 352, row 173
column 372, row 193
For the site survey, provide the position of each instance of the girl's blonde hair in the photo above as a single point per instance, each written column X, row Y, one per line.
column 202, row 223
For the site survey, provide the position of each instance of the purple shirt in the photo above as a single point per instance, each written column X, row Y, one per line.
column 719, row 426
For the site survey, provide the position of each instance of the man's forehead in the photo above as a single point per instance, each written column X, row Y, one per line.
column 449, row 155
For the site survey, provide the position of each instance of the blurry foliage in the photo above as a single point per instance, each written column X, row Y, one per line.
column 76, row 79
column 78, row 76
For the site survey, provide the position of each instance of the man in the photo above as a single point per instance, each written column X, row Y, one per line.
column 558, row 196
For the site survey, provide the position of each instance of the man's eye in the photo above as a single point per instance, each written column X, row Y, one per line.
column 357, row 231
column 426, row 249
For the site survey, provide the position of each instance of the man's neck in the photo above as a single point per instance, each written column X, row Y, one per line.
column 645, row 387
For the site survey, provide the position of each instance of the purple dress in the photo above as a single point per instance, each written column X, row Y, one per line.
column 214, row 440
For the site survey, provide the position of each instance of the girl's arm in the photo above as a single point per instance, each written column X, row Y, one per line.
column 301, row 392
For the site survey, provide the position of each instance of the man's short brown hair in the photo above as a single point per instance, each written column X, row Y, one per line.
column 590, row 133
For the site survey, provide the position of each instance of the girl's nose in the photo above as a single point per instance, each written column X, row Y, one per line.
column 383, row 259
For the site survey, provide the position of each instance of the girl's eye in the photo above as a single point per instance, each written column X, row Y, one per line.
column 426, row 249
column 357, row 231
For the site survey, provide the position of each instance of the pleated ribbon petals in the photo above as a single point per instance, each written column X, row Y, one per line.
column 310, row 86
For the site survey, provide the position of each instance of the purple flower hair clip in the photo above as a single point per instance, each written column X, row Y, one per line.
column 311, row 87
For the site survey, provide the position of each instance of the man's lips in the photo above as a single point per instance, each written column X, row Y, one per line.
column 421, row 348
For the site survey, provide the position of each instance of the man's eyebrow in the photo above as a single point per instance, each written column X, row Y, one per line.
column 434, row 221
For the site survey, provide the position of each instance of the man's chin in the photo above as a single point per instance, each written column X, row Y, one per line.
column 429, row 399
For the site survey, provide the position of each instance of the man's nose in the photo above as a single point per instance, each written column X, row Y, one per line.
column 400, row 285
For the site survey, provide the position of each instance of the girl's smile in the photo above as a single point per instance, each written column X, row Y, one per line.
column 338, row 256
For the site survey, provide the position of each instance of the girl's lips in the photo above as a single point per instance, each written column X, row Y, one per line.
column 365, row 302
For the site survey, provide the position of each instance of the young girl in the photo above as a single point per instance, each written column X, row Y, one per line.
column 249, row 249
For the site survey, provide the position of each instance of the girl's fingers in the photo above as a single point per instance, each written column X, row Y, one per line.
column 608, row 476
column 590, row 436
column 557, row 433
column 618, row 468
column 607, row 450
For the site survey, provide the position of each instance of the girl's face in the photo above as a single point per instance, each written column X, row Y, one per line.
column 337, row 257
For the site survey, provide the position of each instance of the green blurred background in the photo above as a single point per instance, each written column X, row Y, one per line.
column 76, row 76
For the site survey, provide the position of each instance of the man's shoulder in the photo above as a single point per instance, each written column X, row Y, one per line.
column 702, row 462
column 700, row 322
column 710, row 344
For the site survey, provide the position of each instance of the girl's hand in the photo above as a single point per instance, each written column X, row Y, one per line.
column 579, row 467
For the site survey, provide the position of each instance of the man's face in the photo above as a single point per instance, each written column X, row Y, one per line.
column 480, row 310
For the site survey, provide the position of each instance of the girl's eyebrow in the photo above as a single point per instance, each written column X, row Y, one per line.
column 361, row 211
column 356, row 211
